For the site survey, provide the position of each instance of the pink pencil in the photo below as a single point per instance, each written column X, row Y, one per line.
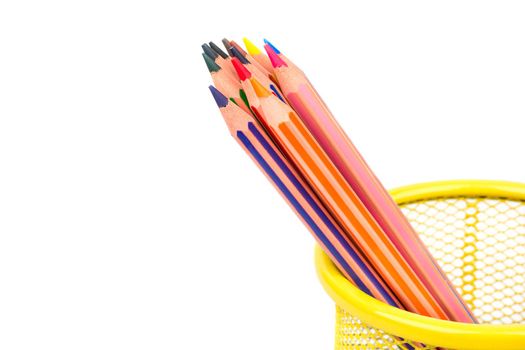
column 315, row 114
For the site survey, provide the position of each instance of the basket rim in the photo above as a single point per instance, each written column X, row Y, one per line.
column 416, row 327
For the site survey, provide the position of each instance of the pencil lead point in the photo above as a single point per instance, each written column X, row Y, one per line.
column 208, row 51
column 210, row 63
column 244, row 98
column 238, row 47
column 218, row 50
column 252, row 49
column 227, row 46
column 275, row 59
column 220, row 99
column 241, row 70
column 260, row 90
column 237, row 54
column 273, row 47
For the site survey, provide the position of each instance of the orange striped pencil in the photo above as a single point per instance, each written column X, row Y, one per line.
column 291, row 135
column 333, row 140
column 253, row 139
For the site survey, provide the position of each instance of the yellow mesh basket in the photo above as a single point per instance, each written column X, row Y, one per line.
column 476, row 231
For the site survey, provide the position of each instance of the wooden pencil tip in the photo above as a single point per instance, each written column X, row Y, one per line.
column 252, row 49
column 208, row 51
column 260, row 90
column 227, row 46
column 237, row 54
column 276, row 60
column 273, row 47
column 210, row 63
column 218, row 50
column 238, row 47
column 241, row 70
column 220, row 99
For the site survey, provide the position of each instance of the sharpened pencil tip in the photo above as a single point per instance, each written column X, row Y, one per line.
column 210, row 63
column 227, row 46
column 251, row 48
column 238, row 47
column 276, row 60
column 273, row 47
column 237, row 54
column 220, row 99
column 218, row 50
column 208, row 51
column 260, row 90
column 241, row 70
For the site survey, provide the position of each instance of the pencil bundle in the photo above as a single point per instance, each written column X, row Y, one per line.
column 280, row 120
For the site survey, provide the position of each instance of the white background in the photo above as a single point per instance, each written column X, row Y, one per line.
column 129, row 219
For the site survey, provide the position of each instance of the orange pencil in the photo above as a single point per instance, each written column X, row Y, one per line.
column 252, row 138
column 288, row 131
column 314, row 113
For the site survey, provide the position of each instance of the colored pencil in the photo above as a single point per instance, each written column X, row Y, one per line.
column 219, row 56
column 246, row 130
column 223, row 81
column 218, row 50
column 238, row 47
column 258, row 55
column 323, row 126
column 244, row 74
column 268, row 44
column 292, row 136
column 309, row 159
column 250, row 58
column 227, row 45
column 261, row 76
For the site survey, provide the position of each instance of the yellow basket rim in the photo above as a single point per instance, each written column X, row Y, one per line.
column 412, row 326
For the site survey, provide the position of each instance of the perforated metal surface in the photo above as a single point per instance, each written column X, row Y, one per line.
column 480, row 244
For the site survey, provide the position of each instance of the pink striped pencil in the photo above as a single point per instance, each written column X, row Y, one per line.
column 303, row 98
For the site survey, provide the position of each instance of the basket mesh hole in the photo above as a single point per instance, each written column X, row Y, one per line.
column 480, row 244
